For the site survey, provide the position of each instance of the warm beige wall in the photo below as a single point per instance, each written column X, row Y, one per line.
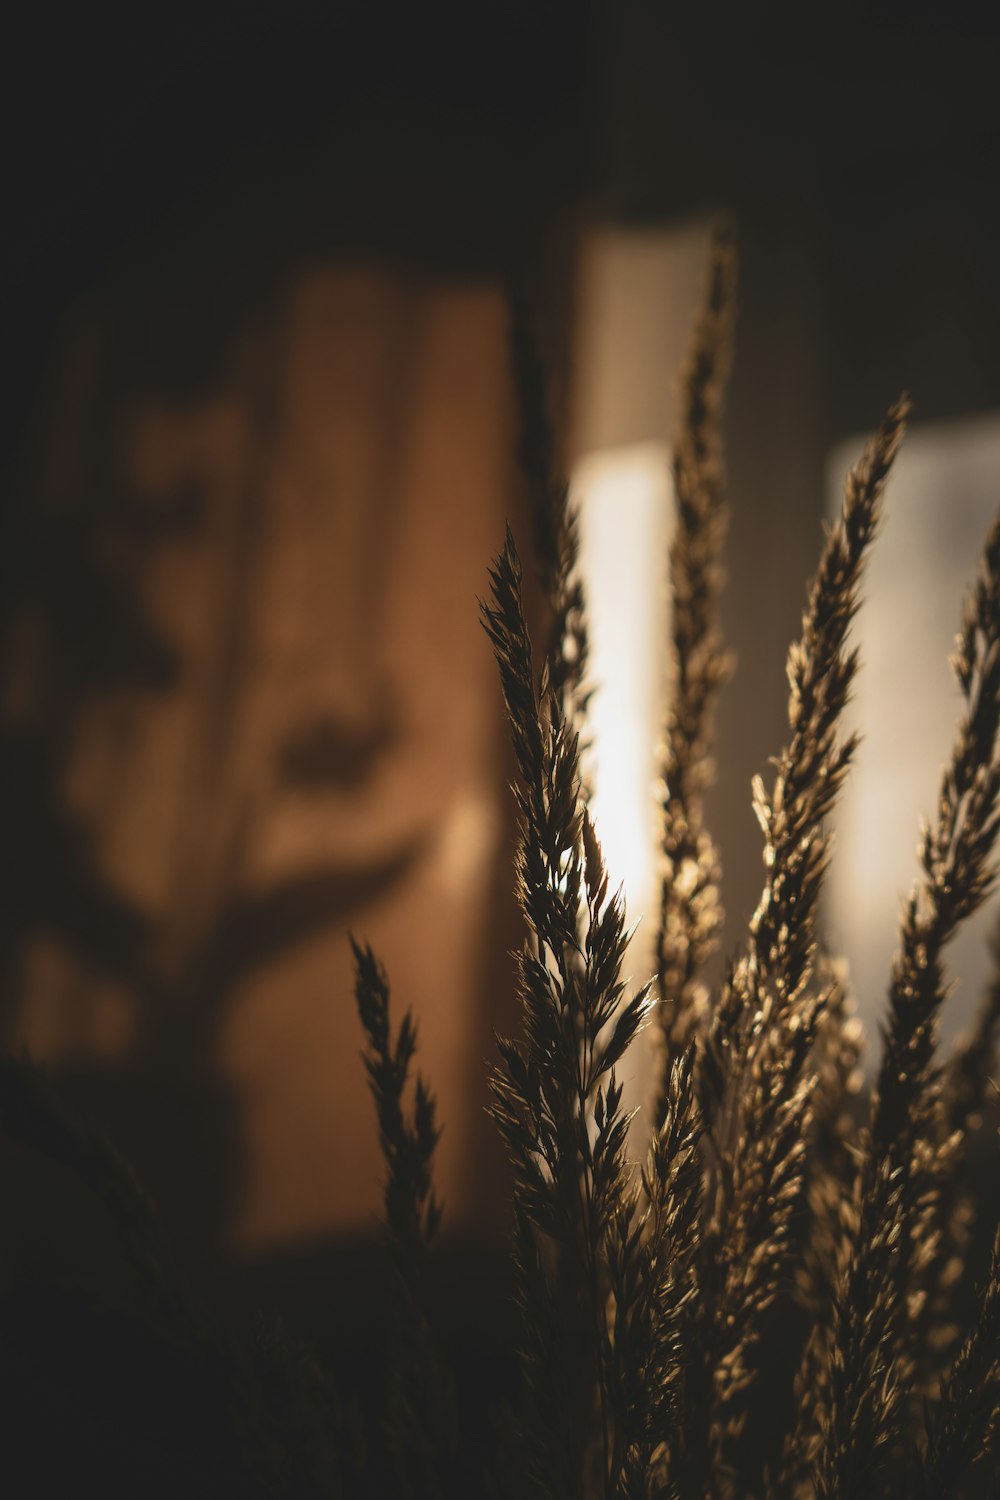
column 355, row 470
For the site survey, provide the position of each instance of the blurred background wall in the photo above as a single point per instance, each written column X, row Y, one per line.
column 259, row 444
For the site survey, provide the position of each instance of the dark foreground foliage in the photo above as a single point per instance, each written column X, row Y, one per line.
column 760, row 1222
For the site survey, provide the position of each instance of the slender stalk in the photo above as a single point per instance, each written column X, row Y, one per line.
column 419, row 1419
column 758, row 1070
column 555, row 1095
column 690, row 917
column 905, row 1160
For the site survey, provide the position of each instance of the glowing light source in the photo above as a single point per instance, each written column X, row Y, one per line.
column 624, row 499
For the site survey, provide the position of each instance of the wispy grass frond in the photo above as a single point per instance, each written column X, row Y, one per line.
column 419, row 1414
column 759, row 1074
column 830, row 1175
column 809, row 774
column 956, row 858
column 555, row 1094
column 833, row 1155
column 690, row 907
column 653, row 1284
column 907, row 1157
column 673, row 1183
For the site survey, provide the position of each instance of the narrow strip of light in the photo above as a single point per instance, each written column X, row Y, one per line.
column 624, row 499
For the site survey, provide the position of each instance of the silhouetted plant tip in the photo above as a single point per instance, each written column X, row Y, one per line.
column 690, row 904
column 419, row 1409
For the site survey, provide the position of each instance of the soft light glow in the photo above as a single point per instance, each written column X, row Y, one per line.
column 624, row 499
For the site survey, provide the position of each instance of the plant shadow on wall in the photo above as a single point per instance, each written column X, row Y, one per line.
column 112, row 671
column 778, row 1295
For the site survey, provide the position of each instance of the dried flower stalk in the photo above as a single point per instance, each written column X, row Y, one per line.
column 758, row 1074
column 690, row 908
column 419, row 1415
column 906, row 1158
column 555, row 1094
